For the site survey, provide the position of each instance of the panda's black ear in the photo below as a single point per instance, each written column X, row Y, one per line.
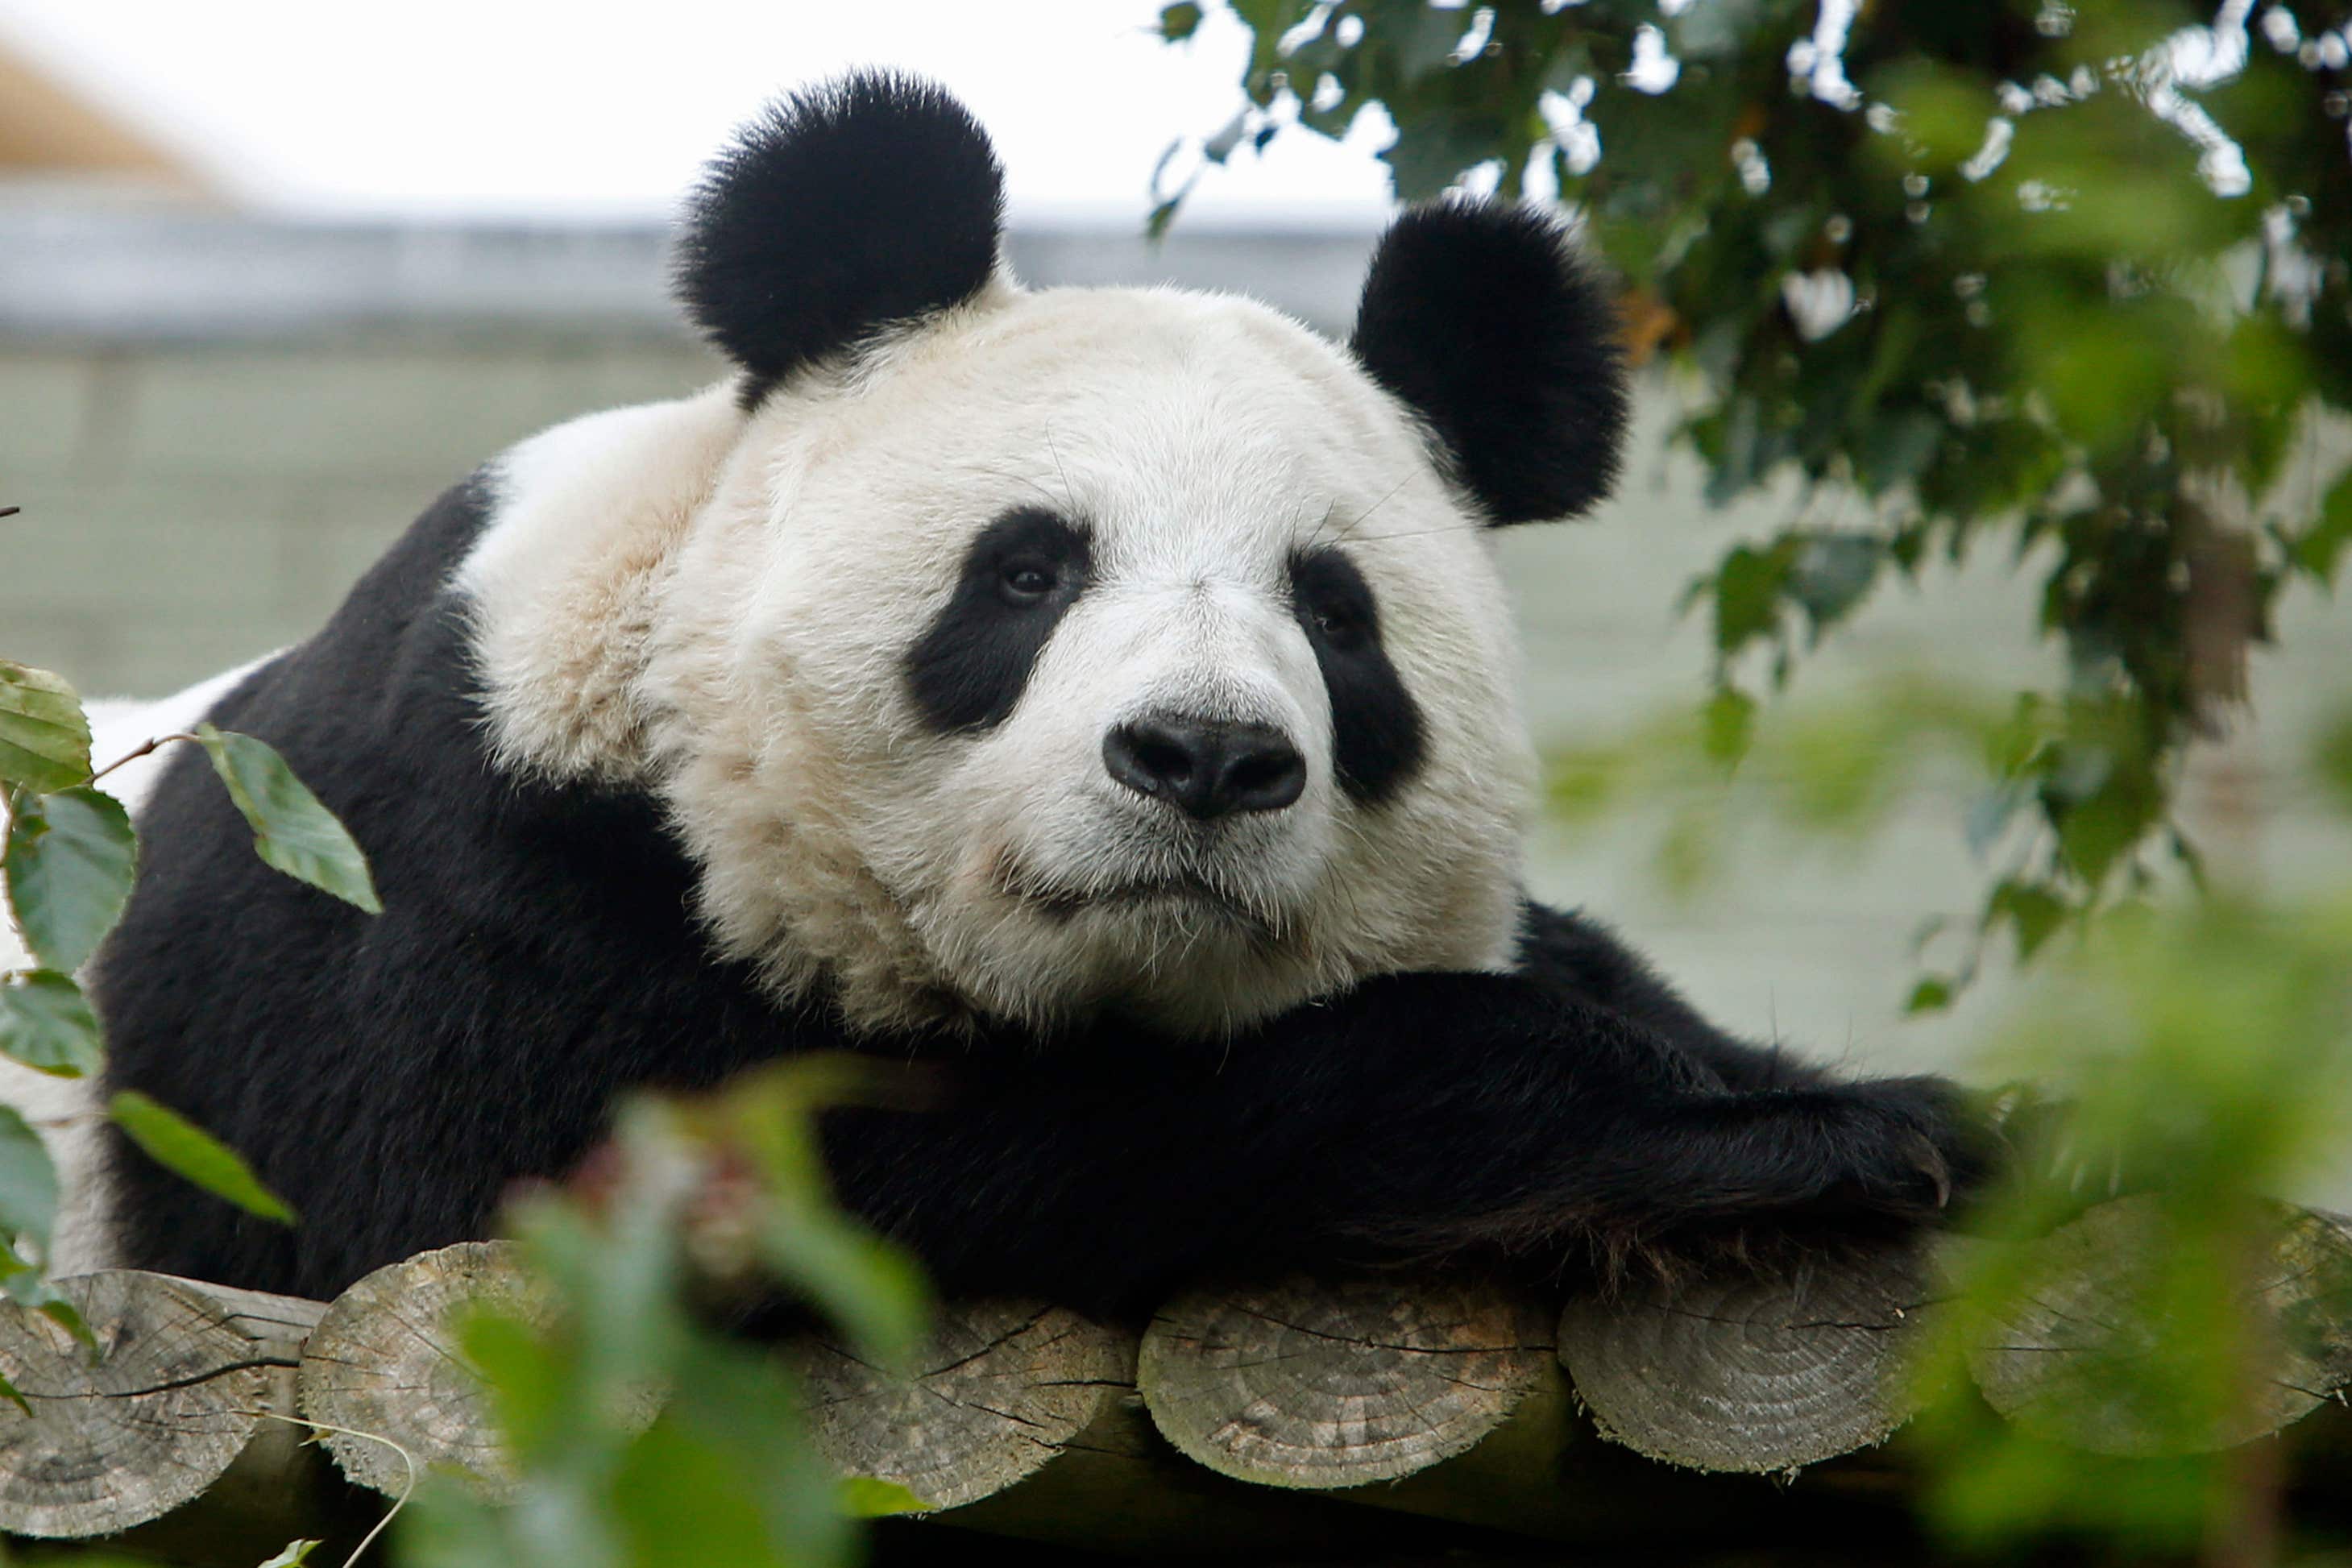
column 1483, row 318
column 843, row 209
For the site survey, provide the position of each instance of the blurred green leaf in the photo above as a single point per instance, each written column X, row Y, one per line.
column 526, row 1375
column 295, row 1556
column 1831, row 573
column 870, row 1286
column 1748, row 583
column 2332, row 758
column 864, row 1497
column 29, row 1180
column 2320, row 547
column 181, row 1147
column 29, row 1286
column 740, row 1408
column 291, row 831
column 2031, row 911
column 1932, row 995
column 1730, row 723
column 1179, row 22
column 866, row 1285
column 44, row 738
column 68, row 864
column 47, row 1024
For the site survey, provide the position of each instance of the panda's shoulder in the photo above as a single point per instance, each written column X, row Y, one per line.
column 1571, row 952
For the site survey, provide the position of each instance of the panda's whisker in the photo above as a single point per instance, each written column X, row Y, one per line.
column 1365, row 516
column 1069, row 496
column 1422, row 532
column 1021, row 478
column 1329, row 510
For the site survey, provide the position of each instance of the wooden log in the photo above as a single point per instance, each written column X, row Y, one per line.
column 382, row 1371
column 1002, row 1387
column 181, row 1387
column 1754, row 1371
column 2058, row 1359
column 1118, row 1486
column 1245, row 1420
column 1316, row 1384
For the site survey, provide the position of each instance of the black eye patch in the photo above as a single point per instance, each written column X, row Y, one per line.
column 1376, row 726
column 1019, row 578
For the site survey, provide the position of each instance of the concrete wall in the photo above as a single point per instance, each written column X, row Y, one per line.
column 193, row 499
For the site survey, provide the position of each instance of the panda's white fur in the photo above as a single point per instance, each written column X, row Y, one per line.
column 715, row 605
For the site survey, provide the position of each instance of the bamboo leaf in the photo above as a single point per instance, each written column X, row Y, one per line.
column 291, row 831
column 44, row 736
column 69, row 859
column 46, row 1024
column 180, row 1146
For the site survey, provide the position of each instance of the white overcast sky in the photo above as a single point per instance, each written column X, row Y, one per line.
column 550, row 108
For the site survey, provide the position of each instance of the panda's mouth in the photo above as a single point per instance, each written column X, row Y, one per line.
column 1064, row 902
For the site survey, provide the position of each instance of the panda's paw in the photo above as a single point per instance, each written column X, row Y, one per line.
column 1923, row 1148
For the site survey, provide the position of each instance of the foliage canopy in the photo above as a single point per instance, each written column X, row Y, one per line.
column 2070, row 277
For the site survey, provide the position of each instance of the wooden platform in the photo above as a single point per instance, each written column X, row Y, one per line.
column 1390, row 1414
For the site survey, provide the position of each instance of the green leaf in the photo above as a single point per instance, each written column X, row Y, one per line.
column 1831, row 573
column 2317, row 548
column 2033, row 911
column 46, row 1024
column 181, row 1147
column 1932, row 995
column 291, row 831
column 44, row 736
column 1747, row 587
column 2332, row 758
column 1729, row 724
column 28, row 1182
column 863, row 1497
column 69, row 861
column 29, row 1286
column 1179, row 22
column 9, row 1392
column 296, row 1554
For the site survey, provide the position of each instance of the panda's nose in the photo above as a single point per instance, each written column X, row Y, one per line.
column 1203, row 768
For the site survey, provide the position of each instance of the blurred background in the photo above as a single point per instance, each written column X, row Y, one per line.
column 272, row 274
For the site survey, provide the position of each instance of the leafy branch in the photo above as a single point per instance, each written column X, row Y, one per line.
column 2072, row 277
column 71, row 858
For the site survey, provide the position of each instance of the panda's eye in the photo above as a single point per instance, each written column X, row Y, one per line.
column 1340, row 626
column 1025, row 582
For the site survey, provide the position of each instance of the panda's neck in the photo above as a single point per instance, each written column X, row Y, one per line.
column 563, row 580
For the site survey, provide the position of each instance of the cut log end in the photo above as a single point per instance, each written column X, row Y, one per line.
column 2065, row 1359
column 182, row 1378
column 1000, row 1389
column 1325, row 1384
column 1759, row 1372
column 382, row 1373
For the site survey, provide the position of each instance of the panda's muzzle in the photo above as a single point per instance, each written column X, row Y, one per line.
column 1206, row 768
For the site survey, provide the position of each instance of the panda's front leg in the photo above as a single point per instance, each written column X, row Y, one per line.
column 1418, row 1115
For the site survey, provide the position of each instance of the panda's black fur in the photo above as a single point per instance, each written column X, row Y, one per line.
column 537, row 954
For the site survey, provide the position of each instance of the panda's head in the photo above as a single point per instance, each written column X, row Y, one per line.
column 1040, row 654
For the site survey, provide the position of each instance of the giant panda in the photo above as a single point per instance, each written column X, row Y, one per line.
column 1104, row 697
